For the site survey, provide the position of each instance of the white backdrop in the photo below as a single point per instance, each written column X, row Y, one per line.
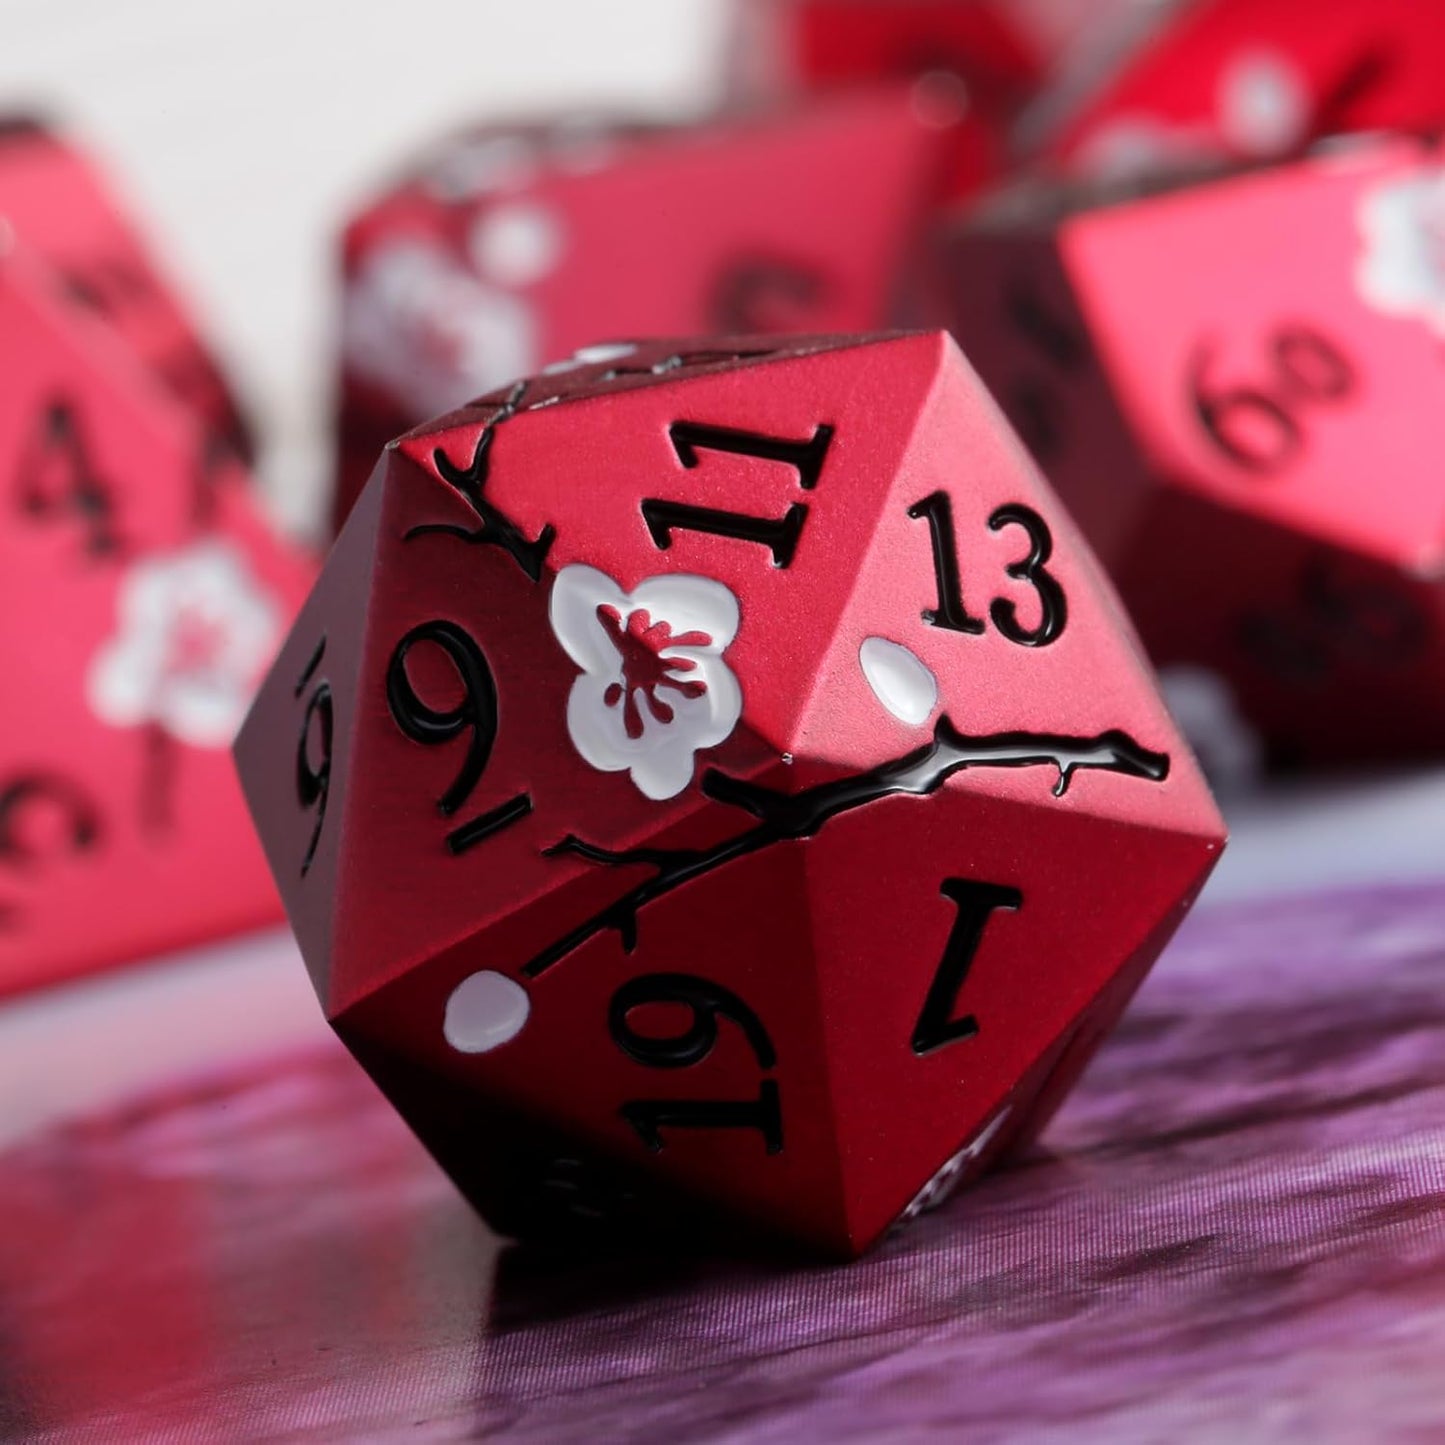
column 243, row 130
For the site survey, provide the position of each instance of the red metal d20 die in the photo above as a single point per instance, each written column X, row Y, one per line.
column 740, row 785
column 1247, row 447
column 144, row 597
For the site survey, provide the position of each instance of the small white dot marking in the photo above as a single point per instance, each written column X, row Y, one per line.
column 485, row 1010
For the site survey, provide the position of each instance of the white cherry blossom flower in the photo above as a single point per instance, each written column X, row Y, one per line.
column 195, row 632
column 654, row 688
column 1402, row 269
column 421, row 325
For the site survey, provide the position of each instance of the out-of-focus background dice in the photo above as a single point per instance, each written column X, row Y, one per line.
column 246, row 134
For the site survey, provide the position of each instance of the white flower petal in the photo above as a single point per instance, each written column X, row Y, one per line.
column 900, row 680
column 686, row 699
column 485, row 1010
column 1401, row 270
column 691, row 604
column 148, row 674
column 577, row 593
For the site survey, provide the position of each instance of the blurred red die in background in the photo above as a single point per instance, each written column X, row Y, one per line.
column 143, row 597
column 509, row 248
column 1260, row 80
column 970, row 54
column 1251, row 446
column 54, row 200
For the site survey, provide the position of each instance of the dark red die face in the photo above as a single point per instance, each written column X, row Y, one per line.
column 145, row 599
column 1259, row 80
column 1247, row 445
column 718, row 771
column 54, row 201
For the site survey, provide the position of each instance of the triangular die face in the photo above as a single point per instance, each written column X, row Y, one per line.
column 1270, row 392
column 1026, row 677
column 297, row 753
column 957, row 939
column 143, row 595
column 766, row 479
column 616, row 1050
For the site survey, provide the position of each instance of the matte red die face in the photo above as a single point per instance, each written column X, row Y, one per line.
column 143, row 600
column 1261, row 481
column 719, row 771
column 512, row 248
column 1261, row 79
column 55, row 203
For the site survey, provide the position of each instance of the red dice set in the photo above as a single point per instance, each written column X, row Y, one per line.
column 718, row 771
column 58, row 206
column 1248, row 447
column 508, row 248
column 143, row 598
column 1255, row 80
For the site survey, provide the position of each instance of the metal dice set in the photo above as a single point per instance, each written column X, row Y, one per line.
column 715, row 782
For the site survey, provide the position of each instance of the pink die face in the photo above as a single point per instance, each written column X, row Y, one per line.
column 744, row 726
column 508, row 249
column 1258, row 80
column 56, row 204
column 1254, row 468
column 145, row 600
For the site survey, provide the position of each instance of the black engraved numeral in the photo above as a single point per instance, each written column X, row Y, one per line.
column 37, row 792
column 313, row 750
column 58, row 478
column 1053, row 607
column 806, row 457
column 950, row 613
column 779, row 535
column 765, row 1114
column 976, row 904
column 708, row 1002
column 1257, row 427
column 476, row 714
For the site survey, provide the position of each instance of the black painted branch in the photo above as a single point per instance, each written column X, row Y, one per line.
column 497, row 530
column 784, row 817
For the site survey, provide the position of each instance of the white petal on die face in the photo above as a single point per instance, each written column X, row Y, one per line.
column 422, row 326
column 1264, row 108
column 899, row 679
column 485, row 1011
column 699, row 698
column 598, row 355
column 1401, row 270
column 144, row 675
column 516, row 243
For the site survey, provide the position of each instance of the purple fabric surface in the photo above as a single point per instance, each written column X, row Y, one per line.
column 1236, row 1234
